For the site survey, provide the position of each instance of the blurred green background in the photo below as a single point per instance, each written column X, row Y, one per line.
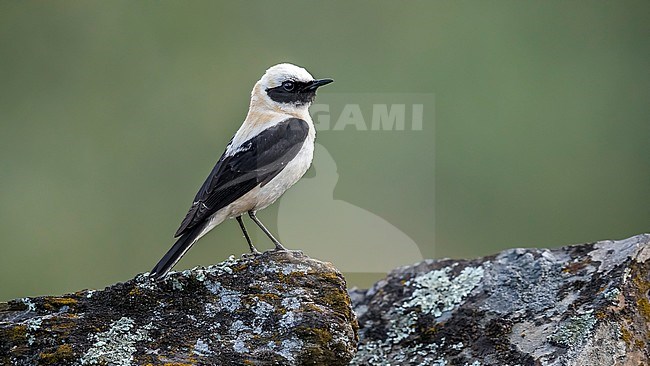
column 112, row 114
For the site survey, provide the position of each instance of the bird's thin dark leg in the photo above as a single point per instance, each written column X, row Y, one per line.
column 278, row 245
column 248, row 238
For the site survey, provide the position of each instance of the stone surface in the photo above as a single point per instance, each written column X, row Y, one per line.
column 578, row 305
column 280, row 308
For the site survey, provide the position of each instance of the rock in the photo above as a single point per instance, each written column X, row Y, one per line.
column 578, row 305
column 279, row 308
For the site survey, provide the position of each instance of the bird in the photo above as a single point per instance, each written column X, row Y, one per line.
column 268, row 154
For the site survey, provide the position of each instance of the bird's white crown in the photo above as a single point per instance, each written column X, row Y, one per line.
column 273, row 79
column 277, row 74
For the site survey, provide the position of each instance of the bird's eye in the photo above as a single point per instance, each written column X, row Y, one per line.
column 288, row 85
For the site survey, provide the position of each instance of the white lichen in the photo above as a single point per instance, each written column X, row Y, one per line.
column 604, row 346
column 435, row 292
column 210, row 309
column 262, row 309
column 238, row 326
column 145, row 282
column 34, row 324
column 290, row 303
column 240, row 343
column 115, row 346
column 289, row 320
column 28, row 302
column 176, row 284
column 401, row 326
column 199, row 273
column 222, row 267
column 288, row 268
column 229, row 300
column 612, row 295
column 574, row 330
column 376, row 353
column 201, row 348
column 289, row 348
column 371, row 353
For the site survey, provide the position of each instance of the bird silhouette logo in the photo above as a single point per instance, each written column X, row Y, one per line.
column 352, row 238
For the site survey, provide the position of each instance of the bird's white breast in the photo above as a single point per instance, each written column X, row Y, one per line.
column 291, row 174
column 261, row 197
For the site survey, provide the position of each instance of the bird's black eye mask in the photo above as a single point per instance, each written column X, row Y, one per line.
column 293, row 92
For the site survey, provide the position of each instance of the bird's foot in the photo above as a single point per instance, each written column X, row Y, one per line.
column 252, row 254
column 280, row 247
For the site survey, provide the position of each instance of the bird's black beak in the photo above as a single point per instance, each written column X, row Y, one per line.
column 315, row 84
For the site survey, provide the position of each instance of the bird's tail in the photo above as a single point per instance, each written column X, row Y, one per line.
column 175, row 254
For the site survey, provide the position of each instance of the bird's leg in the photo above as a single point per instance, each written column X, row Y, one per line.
column 248, row 238
column 278, row 245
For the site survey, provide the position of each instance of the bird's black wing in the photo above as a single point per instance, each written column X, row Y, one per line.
column 256, row 162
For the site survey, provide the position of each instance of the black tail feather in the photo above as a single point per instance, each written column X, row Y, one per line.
column 175, row 254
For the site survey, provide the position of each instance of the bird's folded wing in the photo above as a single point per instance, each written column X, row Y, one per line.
column 254, row 163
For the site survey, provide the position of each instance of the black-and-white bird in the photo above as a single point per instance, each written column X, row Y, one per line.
column 270, row 152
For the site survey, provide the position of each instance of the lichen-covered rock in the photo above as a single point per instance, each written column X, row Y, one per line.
column 579, row 305
column 278, row 308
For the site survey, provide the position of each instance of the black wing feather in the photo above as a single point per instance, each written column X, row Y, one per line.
column 260, row 160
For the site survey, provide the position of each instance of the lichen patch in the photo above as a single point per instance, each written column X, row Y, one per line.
column 436, row 292
column 574, row 330
column 116, row 345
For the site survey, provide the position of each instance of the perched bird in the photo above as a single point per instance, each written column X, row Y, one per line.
column 270, row 152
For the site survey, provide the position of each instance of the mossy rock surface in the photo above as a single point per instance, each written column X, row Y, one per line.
column 278, row 308
column 578, row 305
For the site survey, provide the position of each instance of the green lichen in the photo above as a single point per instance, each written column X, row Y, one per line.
column 644, row 308
column 573, row 331
column 338, row 301
column 639, row 291
column 61, row 354
column 17, row 334
column 267, row 297
column 313, row 307
column 317, row 345
column 321, row 336
column 240, row 267
column 642, row 286
column 290, row 278
column 52, row 303
column 639, row 344
column 626, row 336
column 331, row 277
